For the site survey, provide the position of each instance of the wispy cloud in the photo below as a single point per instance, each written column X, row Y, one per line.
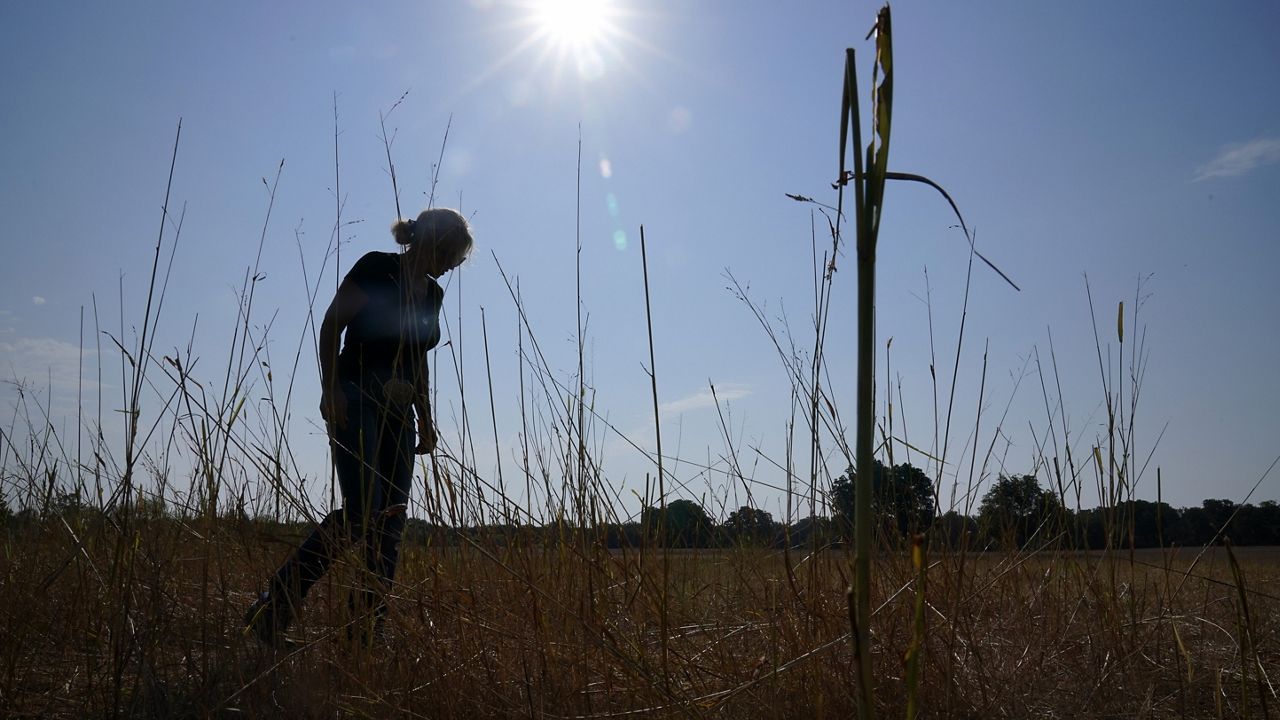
column 37, row 300
column 42, row 362
column 1241, row 158
column 703, row 399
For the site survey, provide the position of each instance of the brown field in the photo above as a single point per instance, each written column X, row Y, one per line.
column 93, row 627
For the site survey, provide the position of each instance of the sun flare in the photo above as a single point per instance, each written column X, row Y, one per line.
column 577, row 33
column 575, row 24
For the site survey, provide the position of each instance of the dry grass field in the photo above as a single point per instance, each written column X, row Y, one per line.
column 93, row 627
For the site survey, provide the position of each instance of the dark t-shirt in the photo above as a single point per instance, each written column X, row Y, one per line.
column 393, row 331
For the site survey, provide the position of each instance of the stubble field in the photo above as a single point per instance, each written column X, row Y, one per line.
column 99, row 624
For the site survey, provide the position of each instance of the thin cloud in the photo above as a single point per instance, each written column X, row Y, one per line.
column 37, row 300
column 703, row 399
column 1240, row 158
column 44, row 362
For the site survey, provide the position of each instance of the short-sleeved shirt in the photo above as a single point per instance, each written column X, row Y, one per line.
column 392, row 332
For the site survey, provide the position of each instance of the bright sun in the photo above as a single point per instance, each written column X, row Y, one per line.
column 578, row 33
column 573, row 24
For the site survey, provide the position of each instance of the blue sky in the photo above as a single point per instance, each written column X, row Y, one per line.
column 1122, row 142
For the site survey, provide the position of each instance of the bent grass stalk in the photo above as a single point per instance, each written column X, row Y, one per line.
column 868, row 179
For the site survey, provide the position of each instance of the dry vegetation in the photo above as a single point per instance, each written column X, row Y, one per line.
column 151, row 628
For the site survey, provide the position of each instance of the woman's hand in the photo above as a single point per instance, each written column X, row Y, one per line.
column 333, row 408
column 426, row 436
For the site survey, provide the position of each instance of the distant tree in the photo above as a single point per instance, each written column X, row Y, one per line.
column 1256, row 524
column 1218, row 513
column 628, row 535
column 913, row 504
column 750, row 526
column 1132, row 523
column 1090, row 529
column 902, row 499
column 687, row 524
column 811, row 531
column 1201, row 525
column 1014, row 508
column 64, row 503
column 1147, row 524
column 1266, row 518
column 1195, row 527
column 955, row 528
column 422, row 532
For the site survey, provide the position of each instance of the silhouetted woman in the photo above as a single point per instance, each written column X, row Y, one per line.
column 388, row 305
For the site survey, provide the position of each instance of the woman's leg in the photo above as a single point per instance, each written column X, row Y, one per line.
column 350, row 444
column 382, row 539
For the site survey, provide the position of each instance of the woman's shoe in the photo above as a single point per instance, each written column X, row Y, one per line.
column 267, row 620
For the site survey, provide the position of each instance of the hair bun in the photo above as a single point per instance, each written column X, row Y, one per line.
column 403, row 231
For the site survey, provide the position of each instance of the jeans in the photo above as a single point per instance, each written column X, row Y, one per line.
column 373, row 457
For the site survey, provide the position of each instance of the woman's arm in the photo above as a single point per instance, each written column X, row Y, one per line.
column 346, row 303
column 422, row 406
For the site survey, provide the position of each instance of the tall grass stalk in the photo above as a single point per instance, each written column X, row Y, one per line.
column 860, row 591
column 868, row 179
column 662, row 487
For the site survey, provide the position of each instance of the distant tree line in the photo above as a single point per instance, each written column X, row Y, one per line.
column 1014, row 512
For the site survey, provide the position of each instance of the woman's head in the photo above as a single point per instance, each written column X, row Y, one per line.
column 438, row 241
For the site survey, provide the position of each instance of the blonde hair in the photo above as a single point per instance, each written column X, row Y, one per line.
column 440, row 231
